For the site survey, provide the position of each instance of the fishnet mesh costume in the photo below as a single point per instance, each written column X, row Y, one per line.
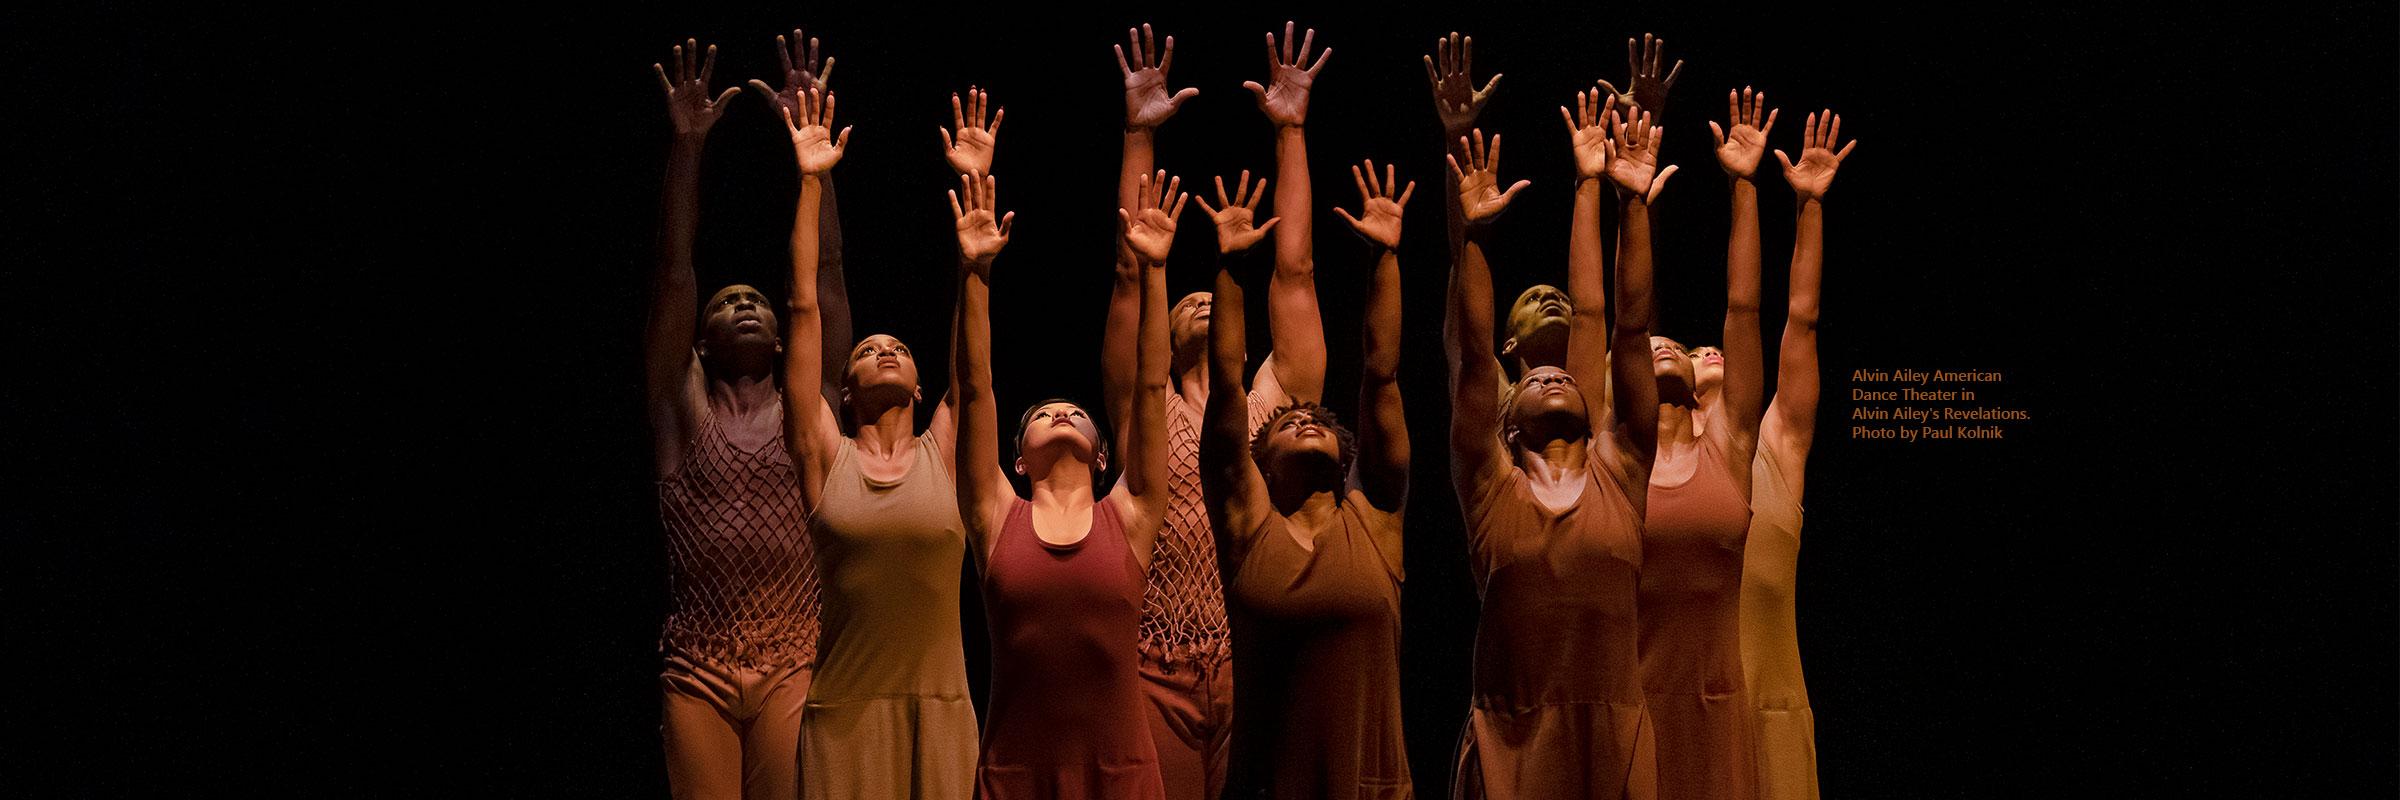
column 1183, row 603
column 741, row 572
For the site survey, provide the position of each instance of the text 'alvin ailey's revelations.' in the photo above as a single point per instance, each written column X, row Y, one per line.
column 1913, row 405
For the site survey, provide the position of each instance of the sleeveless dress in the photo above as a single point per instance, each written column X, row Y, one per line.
column 1318, row 710
column 1691, row 648
column 889, row 715
column 1558, row 710
column 1066, row 706
column 1785, row 730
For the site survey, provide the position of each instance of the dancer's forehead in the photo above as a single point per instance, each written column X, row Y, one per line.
column 736, row 290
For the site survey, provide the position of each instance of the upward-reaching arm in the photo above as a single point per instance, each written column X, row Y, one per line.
column 969, row 153
column 1476, row 456
column 671, row 371
column 1633, row 168
column 805, row 67
column 1147, row 106
column 1738, row 152
column 1587, row 336
column 810, row 430
column 1382, row 463
column 1229, row 479
column 1791, row 420
column 1296, row 364
column 1645, row 88
column 1149, row 233
column 983, row 491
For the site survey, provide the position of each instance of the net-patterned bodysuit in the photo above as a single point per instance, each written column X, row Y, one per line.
column 1185, row 638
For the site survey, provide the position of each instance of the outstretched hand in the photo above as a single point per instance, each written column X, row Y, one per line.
column 1285, row 100
column 1634, row 164
column 688, row 104
column 1147, row 103
column 805, row 67
column 1739, row 150
column 1378, row 220
column 1586, row 135
column 1455, row 97
column 1479, row 197
column 1646, row 91
column 978, row 132
column 1149, row 227
column 813, row 142
column 1234, row 215
column 982, row 230
column 1813, row 176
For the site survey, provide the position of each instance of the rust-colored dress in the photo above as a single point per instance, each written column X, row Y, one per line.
column 889, row 715
column 1785, row 730
column 1558, row 708
column 1691, row 642
column 1065, row 719
column 1318, row 629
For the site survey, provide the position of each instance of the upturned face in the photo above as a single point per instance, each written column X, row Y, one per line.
column 1298, row 436
column 1670, row 361
column 737, row 318
column 880, row 363
column 1708, row 368
column 1539, row 320
column 1187, row 323
column 1058, row 430
column 1546, row 398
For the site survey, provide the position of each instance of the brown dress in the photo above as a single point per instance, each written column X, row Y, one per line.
column 1691, row 652
column 1785, row 730
column 889, row 715
column 1066, row 707
column 1318, row 711
column 1558, row 709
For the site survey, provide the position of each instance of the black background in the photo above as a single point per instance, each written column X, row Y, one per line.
column 339, row 481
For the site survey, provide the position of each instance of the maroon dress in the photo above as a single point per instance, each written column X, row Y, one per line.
column 1065, row 718
column 1691, row 591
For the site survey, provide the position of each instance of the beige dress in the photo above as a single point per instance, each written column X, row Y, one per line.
column 889, row 715
column 1785, row 734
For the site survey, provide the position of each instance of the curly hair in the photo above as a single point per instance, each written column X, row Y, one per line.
column 1346, row 441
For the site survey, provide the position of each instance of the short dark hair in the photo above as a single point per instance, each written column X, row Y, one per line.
column 1100, row 447
column 1343, row 438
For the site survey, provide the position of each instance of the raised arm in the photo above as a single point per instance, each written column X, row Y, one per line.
column 1477, row 202
column 1229, row 479
column 1792, row 418
column 1646, row 89
column 1296, row 364
column 1455, row 99
column 1588, row 335
column 1633, row 168
column 670, row 368
column 983, row 490
column 1149, row 233
column 805, row 67
column 1381, row 469
column 810, row 429
column 1147, row 106
column 1738, row 152
column 969, row 153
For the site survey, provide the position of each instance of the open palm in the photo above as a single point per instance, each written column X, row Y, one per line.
column 1813, row 175
column 971, row 148
column 1740, row 148
column 982, row 231
column 1480, row 199
column 1587, row 138
column 1150, row 229
column 1382, row 201
column 1234, row 215
column 1148, row 104
column 1285, row 98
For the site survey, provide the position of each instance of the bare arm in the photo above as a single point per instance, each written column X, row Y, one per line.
column 671, row 370
column 983, row 490
column 1229, row 480
column 1382, row 464
column 1633, row 168
column 1792, row 419
column 810, row 429
column 1297, row 359
column 969, row 153
column 1475, row 454
column 1147, row 106
column 1587, row 337
column 1738, row 152
column 1149, row 233
column 805, row 67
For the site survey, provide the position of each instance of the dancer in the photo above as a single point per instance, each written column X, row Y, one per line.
column 1784, row 727
column 1698, row 518
column 1307, row 523
column 739, row 642
column 1186, row 656
column 1538, row 319
column 1062, row 573
column 1554, row 501
column 889, row 714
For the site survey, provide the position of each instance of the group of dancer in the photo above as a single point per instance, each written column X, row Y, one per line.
column 1224, row 619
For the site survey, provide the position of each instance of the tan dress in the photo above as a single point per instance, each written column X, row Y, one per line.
column 889, row 715
column 1691, row 642
column 1786, row 733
